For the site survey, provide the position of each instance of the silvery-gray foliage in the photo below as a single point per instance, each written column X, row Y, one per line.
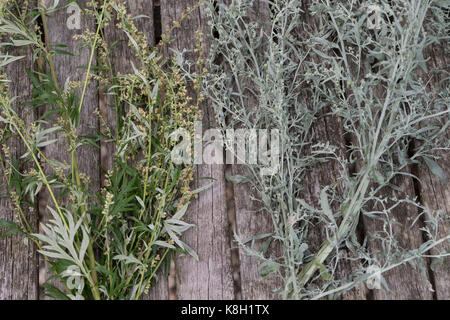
column 285, row 74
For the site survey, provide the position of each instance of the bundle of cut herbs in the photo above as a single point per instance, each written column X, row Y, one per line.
column 109, row 243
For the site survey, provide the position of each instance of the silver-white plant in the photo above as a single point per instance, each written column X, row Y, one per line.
column 286, row 73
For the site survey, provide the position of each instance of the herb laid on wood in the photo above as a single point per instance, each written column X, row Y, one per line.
column 287, row 74
column 114, row 243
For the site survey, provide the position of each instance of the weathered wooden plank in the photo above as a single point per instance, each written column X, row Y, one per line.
column 121, row 57
column 66, row 67
column 436, row 195
column 211, row 276
column 328, row 129
column 433, row 193
column 250, row 223
column 18, row 261
column 405, row 282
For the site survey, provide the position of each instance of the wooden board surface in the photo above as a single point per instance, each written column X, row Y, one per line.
column 223, row 205
column 18, row 261
column 433, row 193
column 211, row 277
column 72, row 68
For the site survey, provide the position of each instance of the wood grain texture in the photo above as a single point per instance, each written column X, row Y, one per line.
column 328, row 129
column 211, row 276
column 251, row 222
column 433, row 193
column 18, row 261
column 66, row 66
column 405, row 282
column 436, row 196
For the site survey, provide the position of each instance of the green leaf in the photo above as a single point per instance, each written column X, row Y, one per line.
column 9, row 59
column 190, row 251
column 201, row 189
column 11, row 228
column 180, row 213
column 63, row 52
column 55, row 293
column 84, row 245
column 140, row 202
column 46, row 143
column 257, row 237
column 323, row 271
column 20, row 43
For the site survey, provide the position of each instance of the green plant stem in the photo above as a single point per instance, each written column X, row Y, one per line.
column 52, row 195
column 47, row 45
column 152, row 239
column 41, row 172
column 149, row 155
column 75, row 171
column 91, row 58
column 139, row 293
column 147, row 253
column 395, row 265
column 354, row 208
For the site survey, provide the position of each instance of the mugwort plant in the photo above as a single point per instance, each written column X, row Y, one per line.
column 111, row 244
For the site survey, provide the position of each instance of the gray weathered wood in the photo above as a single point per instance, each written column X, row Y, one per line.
column 121, row 57
column 436, row 196
column 433, row 193
column 211, row 277
column 405, row 282
column 18, row 261
column 66, row 67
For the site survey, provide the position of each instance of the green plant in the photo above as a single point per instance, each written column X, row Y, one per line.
column 111, row 244
column 286, row 74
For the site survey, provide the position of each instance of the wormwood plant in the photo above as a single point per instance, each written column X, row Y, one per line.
column 108, row 244
column 286, row 74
